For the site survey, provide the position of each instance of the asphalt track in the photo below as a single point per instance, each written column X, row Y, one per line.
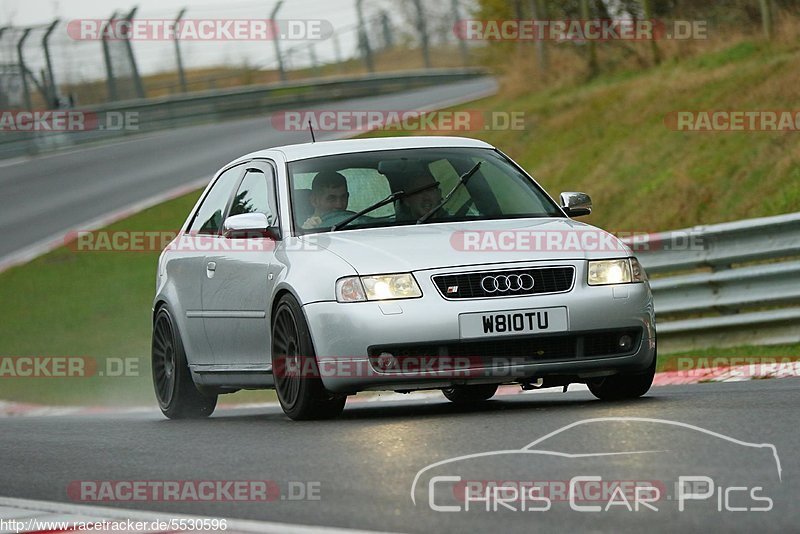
column 365, row 463
column 45, row 196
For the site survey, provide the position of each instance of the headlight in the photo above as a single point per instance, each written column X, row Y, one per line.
column 378, row 287
column 608, row 272
column 637, row 271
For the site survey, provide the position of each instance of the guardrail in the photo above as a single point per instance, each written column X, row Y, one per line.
column 212, row 106
column 742, row 286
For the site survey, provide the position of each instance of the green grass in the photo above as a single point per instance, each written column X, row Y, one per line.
column 609, row 139
column 87, row 304
column 606, row 137
column 737, row 52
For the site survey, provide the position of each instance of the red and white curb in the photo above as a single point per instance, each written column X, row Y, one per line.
column 738, row 373
column 668, row 378
column 20, row 515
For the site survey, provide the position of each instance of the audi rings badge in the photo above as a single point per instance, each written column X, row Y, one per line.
column 505, row 283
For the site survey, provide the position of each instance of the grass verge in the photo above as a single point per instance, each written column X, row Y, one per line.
column 88, row 304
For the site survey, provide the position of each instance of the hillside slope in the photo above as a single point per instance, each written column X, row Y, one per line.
column 610, row 139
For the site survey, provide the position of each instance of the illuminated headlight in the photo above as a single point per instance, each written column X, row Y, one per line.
column 608, row 272
column 378, row 287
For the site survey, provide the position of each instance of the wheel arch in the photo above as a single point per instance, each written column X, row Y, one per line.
column 279, row 294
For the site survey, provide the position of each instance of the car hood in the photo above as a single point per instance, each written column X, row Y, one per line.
column 438, row 245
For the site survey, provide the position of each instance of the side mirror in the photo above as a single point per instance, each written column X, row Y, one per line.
column 248, row 225
column 576, row 204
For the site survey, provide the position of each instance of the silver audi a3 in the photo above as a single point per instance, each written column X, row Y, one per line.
column 326, row 269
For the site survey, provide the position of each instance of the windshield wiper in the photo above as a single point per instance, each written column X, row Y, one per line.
column 391, row 198
column 461, row 181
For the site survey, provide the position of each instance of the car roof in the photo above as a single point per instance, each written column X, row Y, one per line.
column 330, row 148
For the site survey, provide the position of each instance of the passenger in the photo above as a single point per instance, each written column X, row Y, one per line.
column 421, row 203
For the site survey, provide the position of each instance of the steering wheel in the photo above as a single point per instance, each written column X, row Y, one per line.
column 335, row 217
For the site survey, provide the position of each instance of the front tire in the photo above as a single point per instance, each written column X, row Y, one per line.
column 624, row 386
column 177, row 395
column 470, row 394
column 294, row 367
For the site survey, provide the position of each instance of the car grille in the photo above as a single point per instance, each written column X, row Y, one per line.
column 493, row 284
column 500, row 352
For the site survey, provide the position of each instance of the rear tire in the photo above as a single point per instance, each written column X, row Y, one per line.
column 294, row 367
column 177, row 395
column 470, row 394
column 624, row 386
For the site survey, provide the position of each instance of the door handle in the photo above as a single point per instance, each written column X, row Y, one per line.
column 212, row 266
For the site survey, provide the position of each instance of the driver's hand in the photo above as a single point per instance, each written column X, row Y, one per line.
column 313, row 222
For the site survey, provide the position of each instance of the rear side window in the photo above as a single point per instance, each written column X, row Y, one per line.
column 208, row 219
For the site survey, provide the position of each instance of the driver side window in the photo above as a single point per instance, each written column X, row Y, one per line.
column 254, row 194
column 208, row 219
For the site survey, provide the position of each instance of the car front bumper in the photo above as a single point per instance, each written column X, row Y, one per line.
column 345, row 335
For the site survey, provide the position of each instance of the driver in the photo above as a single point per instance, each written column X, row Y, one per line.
column 328, row 194
column 421, row 203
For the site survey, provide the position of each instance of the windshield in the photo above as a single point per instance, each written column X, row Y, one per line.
column 330, row 190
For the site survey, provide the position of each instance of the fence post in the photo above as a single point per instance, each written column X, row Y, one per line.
column 3, row 98
column 24, row 69
column 363, row 39
column 111, row 82
column 538, row 13
column 312, row 54
column 386, row 27
column 455, row 7
column 422, row 27
column 766, row 18
column 50, row 85
column 337, row 49
column 178, row 58
column 648, row 15
column 276, row 35
column 593, row 67
column 137, row 80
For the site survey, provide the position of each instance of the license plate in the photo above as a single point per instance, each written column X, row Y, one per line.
column 513, row 323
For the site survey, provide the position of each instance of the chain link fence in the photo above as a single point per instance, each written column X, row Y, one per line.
column 50, row 66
